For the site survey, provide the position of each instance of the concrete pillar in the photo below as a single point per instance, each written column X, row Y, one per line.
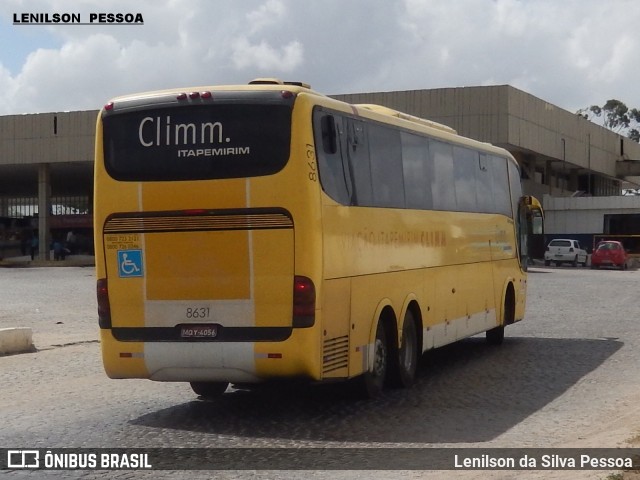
column 548, row 173
column 44, row 210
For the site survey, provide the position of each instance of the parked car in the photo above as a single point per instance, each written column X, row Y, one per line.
column 565, row 250
column 610, row 253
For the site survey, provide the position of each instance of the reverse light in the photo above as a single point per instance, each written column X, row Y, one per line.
column 304, row 302
column 104, row 308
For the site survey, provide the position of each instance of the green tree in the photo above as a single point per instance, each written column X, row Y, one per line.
column 615, row 116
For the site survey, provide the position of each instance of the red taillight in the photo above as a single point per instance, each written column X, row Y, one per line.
column 194, row 211
column 304, row 302
column 194, row 95
column 109, row 106
column 104, row 309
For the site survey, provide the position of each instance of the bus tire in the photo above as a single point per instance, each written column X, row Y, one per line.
column 372, row 382
column 404, row 368
column 209, row 389
column 495, row 336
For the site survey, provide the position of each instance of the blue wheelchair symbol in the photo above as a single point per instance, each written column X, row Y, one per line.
column 130, row 263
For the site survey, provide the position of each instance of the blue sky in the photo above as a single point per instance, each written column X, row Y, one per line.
column 572, row 53
column 17, row 42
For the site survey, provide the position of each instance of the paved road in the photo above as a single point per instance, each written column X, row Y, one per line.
column 565, row 377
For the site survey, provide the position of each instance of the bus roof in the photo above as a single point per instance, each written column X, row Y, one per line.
column 256, row 84
column 301, row 87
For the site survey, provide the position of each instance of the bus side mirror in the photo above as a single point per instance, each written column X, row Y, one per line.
column 534, row 213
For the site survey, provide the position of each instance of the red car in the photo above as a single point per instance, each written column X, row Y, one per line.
column 609, row 253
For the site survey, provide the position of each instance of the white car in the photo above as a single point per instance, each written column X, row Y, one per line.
column 565, row 250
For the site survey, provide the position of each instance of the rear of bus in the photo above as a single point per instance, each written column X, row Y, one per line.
column 201, row 199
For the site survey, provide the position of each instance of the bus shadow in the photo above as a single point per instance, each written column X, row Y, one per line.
column 464, row 393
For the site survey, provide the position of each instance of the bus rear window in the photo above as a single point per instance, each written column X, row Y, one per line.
column 197, row 142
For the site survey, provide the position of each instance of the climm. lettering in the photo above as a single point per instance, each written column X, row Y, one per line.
column 154, row 132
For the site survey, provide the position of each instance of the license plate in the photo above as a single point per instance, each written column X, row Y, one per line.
column 199, row 331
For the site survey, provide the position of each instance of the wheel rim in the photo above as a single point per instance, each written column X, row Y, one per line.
column 380, row 359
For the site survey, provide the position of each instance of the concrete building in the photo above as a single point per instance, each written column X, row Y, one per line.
column 46, row 177
column 46, row 160
column 577, row 168
column 560, row 152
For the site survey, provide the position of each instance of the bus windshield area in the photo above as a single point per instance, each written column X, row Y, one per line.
column 197, row 142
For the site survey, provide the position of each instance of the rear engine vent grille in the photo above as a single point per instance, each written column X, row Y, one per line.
column 335, row 354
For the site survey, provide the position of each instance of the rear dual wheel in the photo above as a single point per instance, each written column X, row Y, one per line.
column 404, row 372
column 397, row 365
column 372, row 381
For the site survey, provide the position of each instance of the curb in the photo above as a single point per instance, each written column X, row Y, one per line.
column 16, row 340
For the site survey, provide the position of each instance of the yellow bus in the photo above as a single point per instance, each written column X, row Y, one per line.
column 265, row 231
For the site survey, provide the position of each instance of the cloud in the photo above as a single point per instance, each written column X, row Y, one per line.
column 266, row 15
column 571, row 53
column 264, row 57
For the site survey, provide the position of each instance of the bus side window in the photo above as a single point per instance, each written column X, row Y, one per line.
column 465, row 166
column 358, row 163
column 335, row 180
column 416, row 169
column 329, row 134
column 442, row 181
column 385, row 155
column 484, row 186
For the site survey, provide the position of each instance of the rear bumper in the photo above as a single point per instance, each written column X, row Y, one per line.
column 560, row 257
column 212, row 361
column 607, row 261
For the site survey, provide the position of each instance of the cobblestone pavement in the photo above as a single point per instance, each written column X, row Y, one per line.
column 567, row 376
column 57, row 303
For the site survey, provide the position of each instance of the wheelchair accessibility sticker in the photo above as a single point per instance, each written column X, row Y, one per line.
column 130, row 263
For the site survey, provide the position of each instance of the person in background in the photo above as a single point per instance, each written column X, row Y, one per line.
column 59, row 251
column 71, row 242
column 35, row 241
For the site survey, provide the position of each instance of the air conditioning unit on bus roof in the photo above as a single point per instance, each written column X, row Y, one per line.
column 405, row 116
column 277, row 81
